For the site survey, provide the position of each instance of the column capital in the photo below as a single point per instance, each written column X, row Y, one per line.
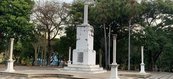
column 114, row 36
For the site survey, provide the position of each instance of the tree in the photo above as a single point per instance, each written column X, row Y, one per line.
column 50, row 17
column 69, row 40
column 15, row 17
column 156, row 20
column 14, row 22
column 115, row 15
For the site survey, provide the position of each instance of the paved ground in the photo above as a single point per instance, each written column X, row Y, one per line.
column 44, row 73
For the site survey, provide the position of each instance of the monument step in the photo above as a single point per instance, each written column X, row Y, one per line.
column 84, row 68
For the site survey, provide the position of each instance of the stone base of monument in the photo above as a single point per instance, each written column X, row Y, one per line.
column 84, row 69
column 10, row 66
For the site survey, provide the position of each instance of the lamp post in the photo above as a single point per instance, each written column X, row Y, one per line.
column 109, row 46
column 129, row 29
column 129, row 51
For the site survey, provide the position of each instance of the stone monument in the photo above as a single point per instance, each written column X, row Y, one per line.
column 10, row 62
column 84, row 57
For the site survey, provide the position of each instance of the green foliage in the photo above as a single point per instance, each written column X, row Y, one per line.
column 15, row 22
column 14, row 19
column 155, row 35
column 76, row 13
column 65, row 42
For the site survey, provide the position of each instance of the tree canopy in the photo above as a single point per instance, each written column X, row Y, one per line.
column 151, row 24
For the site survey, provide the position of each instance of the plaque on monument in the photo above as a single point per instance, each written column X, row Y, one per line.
column 80, row 57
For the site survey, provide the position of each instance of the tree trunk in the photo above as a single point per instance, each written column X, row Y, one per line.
column 44, row 54
column 42, row 57
column 49, row 49
column 36, row 55
column 35, row 45
column 150, row 61
column 100, row 57
column 106, row 59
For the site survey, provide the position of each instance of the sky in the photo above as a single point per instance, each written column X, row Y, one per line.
column 69, row 1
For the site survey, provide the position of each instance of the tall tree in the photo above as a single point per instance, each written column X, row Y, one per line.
column 15, row 17
column 14, row 21
column 50, row 17
column 157, row 17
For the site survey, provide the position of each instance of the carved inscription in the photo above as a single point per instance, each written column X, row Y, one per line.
column 80, row 57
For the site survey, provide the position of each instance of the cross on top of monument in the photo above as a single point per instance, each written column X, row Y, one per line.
column 87, row 2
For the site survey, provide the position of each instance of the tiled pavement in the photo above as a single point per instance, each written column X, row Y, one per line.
column 44, row 71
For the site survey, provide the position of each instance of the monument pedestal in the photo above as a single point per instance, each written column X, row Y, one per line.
column 142, row 68
column 114, row 71
column 10, row 66
column 84, row 57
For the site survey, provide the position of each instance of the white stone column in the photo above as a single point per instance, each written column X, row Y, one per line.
column 86, row 4
column 10, row 62
column 114, row 66
column 142, row 61
column 85, row 13
column 69, row 58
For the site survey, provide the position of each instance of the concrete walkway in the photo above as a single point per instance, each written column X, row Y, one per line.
column 54, row 73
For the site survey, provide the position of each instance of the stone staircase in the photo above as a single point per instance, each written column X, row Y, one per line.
column 84, row 69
